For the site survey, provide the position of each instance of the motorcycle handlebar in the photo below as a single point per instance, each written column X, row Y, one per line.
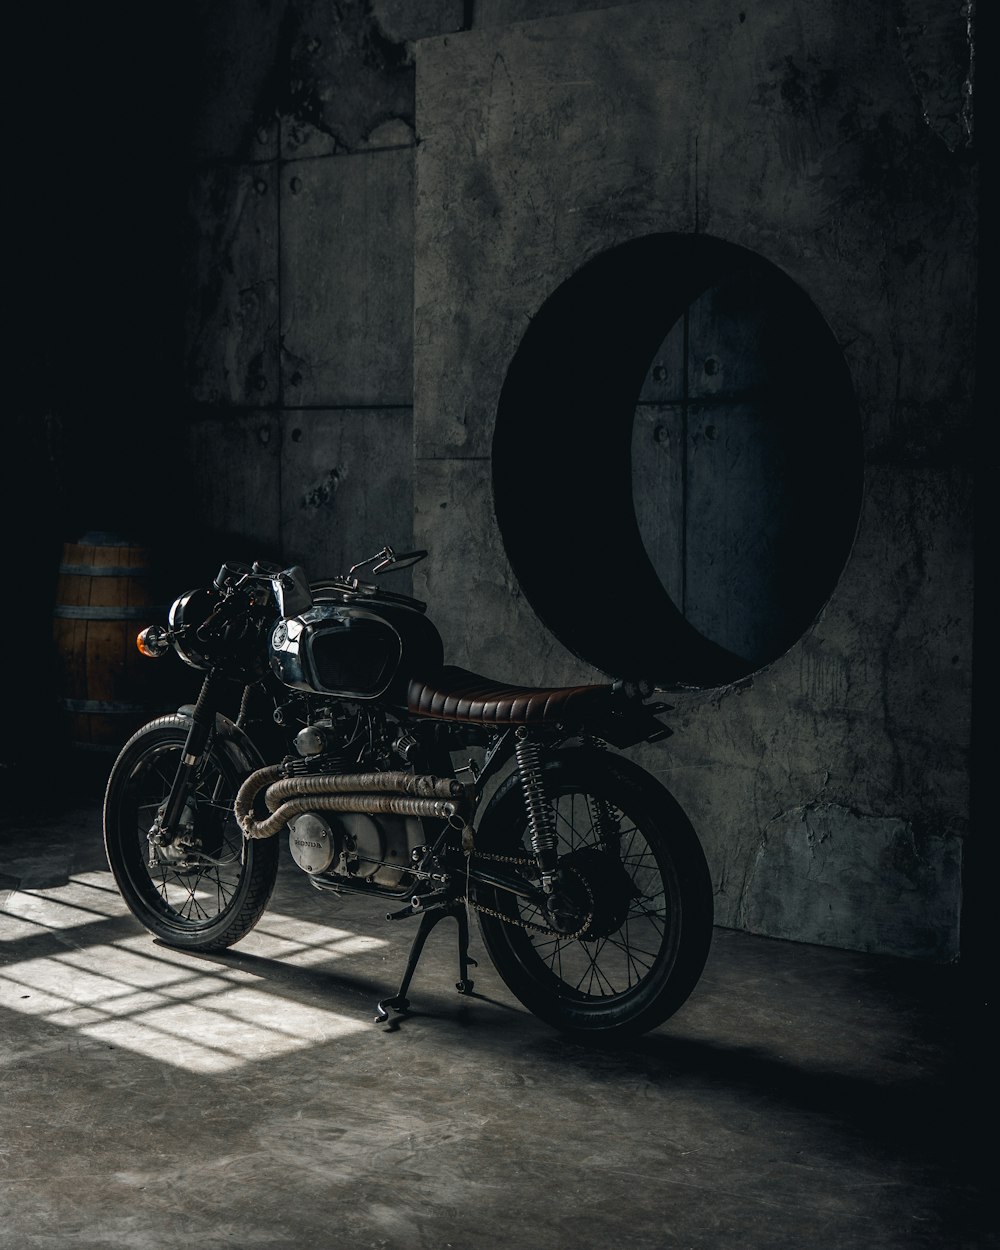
column 224, row 612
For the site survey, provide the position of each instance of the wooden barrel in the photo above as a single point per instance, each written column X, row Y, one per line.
column 104, row 597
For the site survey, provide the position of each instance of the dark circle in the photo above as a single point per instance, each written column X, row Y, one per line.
column 562, row 460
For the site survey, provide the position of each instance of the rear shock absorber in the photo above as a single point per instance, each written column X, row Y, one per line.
column 541, row 822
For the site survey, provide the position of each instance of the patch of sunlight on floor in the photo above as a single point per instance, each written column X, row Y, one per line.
column 303, row 943
column 86, row 898
column 163, row 1002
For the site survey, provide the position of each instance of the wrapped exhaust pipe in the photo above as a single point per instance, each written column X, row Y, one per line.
column 402, row 794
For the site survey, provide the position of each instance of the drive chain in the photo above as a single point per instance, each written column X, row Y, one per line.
column 525, row 862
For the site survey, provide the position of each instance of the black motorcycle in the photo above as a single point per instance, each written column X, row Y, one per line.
column 590, row 886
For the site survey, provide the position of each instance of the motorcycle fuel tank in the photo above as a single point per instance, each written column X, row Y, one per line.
column 353, row 651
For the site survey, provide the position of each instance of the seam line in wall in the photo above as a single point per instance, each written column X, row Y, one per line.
column 347, row 408
column 685, row 411
column 333, row 156
column 279, row 363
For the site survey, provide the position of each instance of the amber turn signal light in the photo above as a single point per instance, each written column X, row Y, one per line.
column 153, row 641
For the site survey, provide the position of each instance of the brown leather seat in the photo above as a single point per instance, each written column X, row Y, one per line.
column 456, row 694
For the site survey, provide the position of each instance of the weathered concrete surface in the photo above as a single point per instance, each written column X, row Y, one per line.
column 234, row 50
column 802, row 1097
column 806, row 133
column 303, row 78
column 348, row 81
column 794, row 131
column 299, row 78
column 347, row 279
column 417, row 19
column 346, row 487
column 939, row 45
column 837, row 858
column 503, row 12
column 236, row 464
column 300, row 280
column 231, row 327
column 452, row 515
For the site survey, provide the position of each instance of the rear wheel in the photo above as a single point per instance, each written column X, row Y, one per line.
column 630, row 856
column 210, row 888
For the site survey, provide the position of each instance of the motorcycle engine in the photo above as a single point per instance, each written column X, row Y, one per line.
column 370, row 847
column 355, row 844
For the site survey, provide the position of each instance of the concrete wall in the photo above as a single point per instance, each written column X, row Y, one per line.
column 377, row 201
column 831, row 786
column 298, row 331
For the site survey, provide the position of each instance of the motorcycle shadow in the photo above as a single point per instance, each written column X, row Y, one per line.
column 308, row 984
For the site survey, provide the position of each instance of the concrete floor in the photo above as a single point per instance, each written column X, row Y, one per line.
column 804, row 1097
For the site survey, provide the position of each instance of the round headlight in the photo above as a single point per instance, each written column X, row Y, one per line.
column 187, row 613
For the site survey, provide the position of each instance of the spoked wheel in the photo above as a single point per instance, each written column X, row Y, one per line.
column 209, row 889
column 632, row 863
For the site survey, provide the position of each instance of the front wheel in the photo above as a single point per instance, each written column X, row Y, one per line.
column 210, row 888
column 636, row 864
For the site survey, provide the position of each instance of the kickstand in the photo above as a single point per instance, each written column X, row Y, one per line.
column 399, row 1002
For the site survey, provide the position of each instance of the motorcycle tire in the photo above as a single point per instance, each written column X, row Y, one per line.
column 649, row 891
column 206, row 908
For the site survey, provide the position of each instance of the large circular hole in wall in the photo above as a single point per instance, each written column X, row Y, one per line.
column 677, row 463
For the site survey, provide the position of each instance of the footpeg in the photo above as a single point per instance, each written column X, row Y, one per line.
column 402, row 914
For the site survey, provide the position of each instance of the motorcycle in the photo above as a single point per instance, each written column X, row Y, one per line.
column 590, row 886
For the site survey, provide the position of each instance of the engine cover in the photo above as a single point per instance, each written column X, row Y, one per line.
column 314, row 842
column 354, row 844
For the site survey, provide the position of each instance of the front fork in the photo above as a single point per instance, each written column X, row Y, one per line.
column 168, row 820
